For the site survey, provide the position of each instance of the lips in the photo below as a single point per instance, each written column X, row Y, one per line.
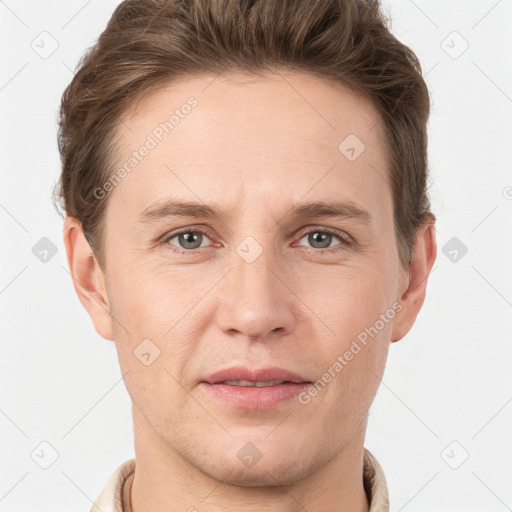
column 241, row 373
column 254, row 388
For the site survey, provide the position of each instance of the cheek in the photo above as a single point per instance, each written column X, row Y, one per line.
column 156, row 329
column 350, row 299
column 358, row 309
column 151, row 300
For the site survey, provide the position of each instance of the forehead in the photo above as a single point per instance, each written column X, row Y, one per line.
column 247, row 141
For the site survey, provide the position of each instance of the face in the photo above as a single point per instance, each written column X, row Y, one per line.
column 289, row 260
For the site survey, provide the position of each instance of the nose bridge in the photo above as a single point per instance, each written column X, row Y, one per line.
column 255, row 301
column 254, row 263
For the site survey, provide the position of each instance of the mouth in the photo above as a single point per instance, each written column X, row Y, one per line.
column 251, row 384
column 246, row 388
column 245, row 376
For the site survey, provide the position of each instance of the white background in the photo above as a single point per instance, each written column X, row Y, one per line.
column 449, row 380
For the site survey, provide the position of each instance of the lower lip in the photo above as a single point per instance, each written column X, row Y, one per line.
column 256, row 398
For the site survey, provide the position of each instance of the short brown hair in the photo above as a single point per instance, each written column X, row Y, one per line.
column 148, row 43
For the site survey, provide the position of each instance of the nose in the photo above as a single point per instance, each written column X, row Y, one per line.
column 256, row 301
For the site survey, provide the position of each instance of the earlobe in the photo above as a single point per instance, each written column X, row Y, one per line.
column 88, row 278
column 412, row 297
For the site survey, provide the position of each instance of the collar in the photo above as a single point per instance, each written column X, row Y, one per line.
column 374, row 480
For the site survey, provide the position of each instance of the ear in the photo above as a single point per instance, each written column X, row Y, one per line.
column 88, row 278
column 414, row 281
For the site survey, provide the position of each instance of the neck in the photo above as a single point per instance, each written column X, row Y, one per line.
column 164, row 481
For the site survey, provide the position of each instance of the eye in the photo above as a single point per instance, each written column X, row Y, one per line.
column 322, row 238
column 189, row 240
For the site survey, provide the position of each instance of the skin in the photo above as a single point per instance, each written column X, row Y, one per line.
column 256, row 147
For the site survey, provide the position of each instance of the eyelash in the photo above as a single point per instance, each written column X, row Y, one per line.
column 344, row 239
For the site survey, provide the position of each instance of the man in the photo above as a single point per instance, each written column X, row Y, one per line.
column 247, row 219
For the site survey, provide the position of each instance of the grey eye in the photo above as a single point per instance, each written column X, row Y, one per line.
column 188, row 239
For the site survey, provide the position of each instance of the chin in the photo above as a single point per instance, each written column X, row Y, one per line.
column 262, row 475
column 274, row 467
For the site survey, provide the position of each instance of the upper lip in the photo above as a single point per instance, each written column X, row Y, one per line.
column 254, row 375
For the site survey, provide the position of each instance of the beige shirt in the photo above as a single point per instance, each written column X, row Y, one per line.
column 111, row 497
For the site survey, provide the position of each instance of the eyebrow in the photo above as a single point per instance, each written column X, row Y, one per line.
column 175, row 208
